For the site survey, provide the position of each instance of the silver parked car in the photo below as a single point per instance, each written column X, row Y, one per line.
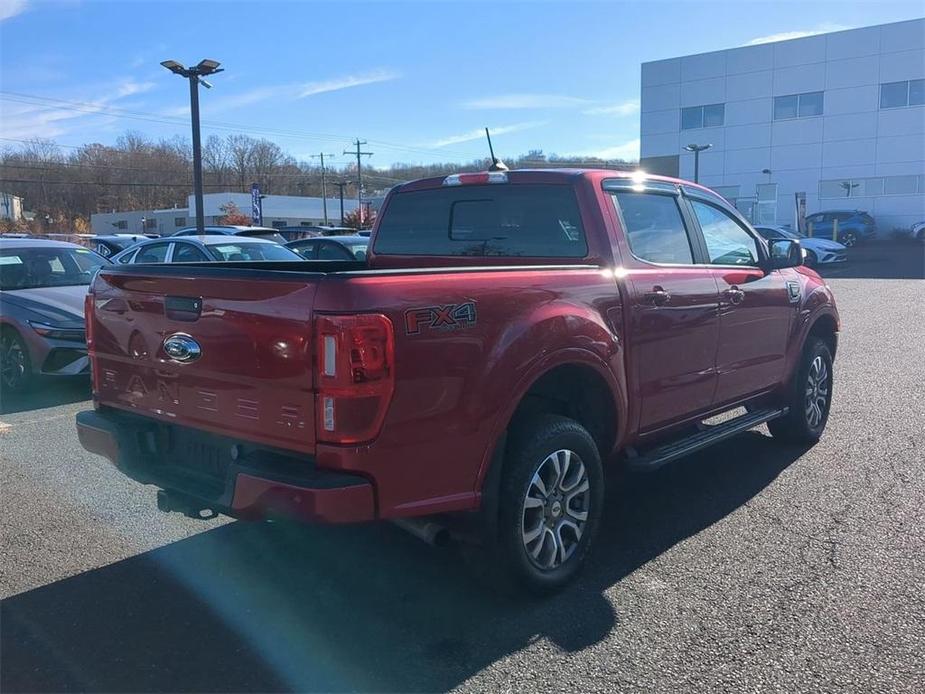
column 43, row 285
column 200, row 249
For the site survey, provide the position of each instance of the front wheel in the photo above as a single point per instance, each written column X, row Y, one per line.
column 15, row 366
column 552, row 491
column 810, row 397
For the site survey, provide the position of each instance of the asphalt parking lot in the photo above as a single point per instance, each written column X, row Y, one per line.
column 750, row 567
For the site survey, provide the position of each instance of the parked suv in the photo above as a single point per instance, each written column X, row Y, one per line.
column 854, row 226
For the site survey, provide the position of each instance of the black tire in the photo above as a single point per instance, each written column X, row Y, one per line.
column 536, row 447
column 811, row 260
column 15, row 366
column 802, row 424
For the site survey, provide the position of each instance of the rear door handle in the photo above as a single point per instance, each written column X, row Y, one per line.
column 658, row 296
column 735, row 295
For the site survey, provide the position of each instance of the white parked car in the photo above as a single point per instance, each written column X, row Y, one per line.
column 818, row 251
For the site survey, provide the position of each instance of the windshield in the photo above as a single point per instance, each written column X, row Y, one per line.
column 242, row 250
column 31, row 268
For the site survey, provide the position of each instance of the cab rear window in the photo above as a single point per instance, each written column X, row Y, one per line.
column 524, row 221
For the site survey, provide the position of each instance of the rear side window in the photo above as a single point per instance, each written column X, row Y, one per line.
column 188, row 253
column 654, row 227
column 155, row 253
column 527, row 221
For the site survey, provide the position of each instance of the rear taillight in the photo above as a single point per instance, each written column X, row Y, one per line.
column 89, row 319
column 355, row 361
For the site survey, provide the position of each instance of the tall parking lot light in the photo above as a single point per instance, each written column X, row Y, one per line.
column 697, row 149
column 195, row 74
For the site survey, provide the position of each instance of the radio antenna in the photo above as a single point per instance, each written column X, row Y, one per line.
column 496, row 164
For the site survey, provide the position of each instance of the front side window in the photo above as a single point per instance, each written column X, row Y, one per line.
column 499, row 220
column 155, row 253
column 727, row 242
column 188, row 253
column 654, row 227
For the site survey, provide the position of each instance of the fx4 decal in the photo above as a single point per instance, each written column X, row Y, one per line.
column 793, row 291
column 447, row 317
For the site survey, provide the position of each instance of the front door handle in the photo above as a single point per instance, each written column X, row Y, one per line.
column 658, row 296
column 735, row 295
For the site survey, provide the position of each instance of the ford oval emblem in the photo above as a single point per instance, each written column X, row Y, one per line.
column 182, row 347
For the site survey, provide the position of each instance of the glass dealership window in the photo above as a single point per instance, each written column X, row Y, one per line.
column 798, row 105
column 707, row 116
column 899, row 185
column 899, row 94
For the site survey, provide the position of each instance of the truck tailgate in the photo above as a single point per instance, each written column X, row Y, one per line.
column 253, row 376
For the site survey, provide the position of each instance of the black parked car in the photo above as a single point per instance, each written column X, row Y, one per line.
column 331, row 247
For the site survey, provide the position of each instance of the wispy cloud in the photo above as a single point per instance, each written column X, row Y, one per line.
column 513, row 101
column 11, row 8
column 479, row 133
column 625, row 108
column 287, row 92
column 799, row 34
column 628, row 151
column 338, row 83
column 47, row 119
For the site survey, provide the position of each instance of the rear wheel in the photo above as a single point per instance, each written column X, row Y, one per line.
column 15, row 366
column 810, row 397
column 552, row 490
column 849, row 239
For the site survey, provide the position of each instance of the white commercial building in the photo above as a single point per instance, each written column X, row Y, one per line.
column 838, row 117
column 278, row 211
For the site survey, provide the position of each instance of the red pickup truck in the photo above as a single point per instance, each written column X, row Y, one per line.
column 508, row 335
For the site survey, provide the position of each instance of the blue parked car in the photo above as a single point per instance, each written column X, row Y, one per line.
column 854, row 226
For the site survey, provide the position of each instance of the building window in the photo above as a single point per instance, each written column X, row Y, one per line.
column 708, row 116
column 150, row 224
column 798, row 105
column 121, row 224
column 279, row 223
column 899, row 94
column 872, row 187
column 179, row 221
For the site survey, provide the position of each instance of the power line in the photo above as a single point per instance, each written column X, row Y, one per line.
column 97, row 108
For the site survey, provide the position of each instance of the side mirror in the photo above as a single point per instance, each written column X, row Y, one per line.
column 784, row 253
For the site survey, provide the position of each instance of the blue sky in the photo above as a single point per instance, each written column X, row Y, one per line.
column 417, row 80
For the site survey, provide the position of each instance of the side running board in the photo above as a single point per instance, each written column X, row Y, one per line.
column 656, row 457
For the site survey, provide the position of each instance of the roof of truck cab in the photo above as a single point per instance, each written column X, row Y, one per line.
column 546, row 176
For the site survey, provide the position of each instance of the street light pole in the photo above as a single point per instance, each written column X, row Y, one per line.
column 195, row 74
column 697, row 149
column 197, row 153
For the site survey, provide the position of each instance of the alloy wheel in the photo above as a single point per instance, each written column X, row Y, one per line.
column 12, row 362
column 555, row 509
column 817, row 392
column 849, row 240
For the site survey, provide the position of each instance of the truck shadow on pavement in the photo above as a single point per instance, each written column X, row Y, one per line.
column 898, row 260
column 46, row 393
column 248, row 607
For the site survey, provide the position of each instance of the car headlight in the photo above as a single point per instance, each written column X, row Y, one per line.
column 56, row 332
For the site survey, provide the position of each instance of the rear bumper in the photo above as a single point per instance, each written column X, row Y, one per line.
column 228, row 476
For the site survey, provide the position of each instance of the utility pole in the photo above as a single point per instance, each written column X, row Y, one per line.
column 341, row 184
column 359, row 154
column 324, row 188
